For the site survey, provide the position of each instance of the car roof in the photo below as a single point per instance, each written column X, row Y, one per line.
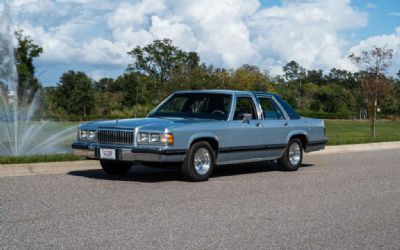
column 224, row 91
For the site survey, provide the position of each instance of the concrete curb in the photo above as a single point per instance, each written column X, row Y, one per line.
column 46, row 168
column 358, row 148
column 66, row 167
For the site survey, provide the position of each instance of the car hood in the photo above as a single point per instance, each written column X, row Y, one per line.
column 146, row 123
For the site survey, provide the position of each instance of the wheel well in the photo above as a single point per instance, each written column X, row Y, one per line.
column 302, row 138
column 213, row 143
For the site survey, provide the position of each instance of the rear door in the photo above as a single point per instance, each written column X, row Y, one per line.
column 274, row 126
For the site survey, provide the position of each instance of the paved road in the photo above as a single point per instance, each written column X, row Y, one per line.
column 337, row 201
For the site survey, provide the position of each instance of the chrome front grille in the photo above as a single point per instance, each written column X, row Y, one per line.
column 115, row 136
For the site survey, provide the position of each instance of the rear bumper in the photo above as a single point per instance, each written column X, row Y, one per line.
column 316, row 145
column 130, row 154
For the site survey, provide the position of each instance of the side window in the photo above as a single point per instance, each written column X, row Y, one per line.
column 244, row 105
column 270, row 109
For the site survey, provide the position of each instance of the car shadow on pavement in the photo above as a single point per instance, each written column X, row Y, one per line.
column 249, row 168
column 148, row 174
column 137, row 173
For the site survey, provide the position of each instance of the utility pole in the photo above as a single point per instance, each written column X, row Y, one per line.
column 301, row 94
column 375, row 107
column 137, row 93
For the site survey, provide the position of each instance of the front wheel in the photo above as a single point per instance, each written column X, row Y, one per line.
column 115, row 168
column 293, row 156
column 199, row 162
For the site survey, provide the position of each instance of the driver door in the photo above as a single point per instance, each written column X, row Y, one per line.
column 245, row 141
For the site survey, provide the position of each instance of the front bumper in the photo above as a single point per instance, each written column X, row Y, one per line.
column 129, row 153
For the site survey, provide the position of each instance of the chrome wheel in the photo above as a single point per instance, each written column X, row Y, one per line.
column 294, row 154
column 202, row 161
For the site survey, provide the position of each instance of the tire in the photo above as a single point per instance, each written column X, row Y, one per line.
column 293, row 156
column 115, row 168
column 203, row 168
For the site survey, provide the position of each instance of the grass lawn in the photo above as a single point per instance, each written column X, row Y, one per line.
column 359, row 131
column 39, row 158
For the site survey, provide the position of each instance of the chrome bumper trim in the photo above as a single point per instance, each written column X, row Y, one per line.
column 127, row 154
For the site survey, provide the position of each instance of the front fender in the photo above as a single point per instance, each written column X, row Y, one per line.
column 201, row 135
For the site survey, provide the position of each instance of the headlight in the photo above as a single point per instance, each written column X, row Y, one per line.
column 87, row 134
column 92, row 134
column 143, row 137
column 156, row 138
column 83, row 134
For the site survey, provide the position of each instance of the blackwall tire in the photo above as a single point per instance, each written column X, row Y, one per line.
column 199, row 162
column 293, row 156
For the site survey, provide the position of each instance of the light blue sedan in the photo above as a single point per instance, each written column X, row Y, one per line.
column 198, row 130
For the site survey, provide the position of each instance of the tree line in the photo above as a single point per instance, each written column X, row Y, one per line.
column 160, row 68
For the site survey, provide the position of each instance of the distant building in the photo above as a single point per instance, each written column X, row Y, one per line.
column 10, row 96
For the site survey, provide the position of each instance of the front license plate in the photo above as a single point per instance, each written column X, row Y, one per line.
column 107, row 153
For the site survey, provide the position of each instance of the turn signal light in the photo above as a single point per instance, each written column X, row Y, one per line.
column 167, row 139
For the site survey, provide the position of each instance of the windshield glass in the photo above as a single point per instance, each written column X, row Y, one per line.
column 196, row 105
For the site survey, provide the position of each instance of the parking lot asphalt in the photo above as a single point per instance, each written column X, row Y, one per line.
column 335, row 201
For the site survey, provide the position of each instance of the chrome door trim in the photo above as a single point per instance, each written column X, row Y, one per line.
column 246, row 160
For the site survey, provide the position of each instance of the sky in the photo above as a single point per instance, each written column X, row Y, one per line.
column 94, row 36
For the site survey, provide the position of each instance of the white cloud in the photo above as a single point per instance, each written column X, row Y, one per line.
column 180, row 33
column 225, row 33
column 394, row 13
column 128, row 15
column 221, row 29
column 307, row 32
column 97, row 74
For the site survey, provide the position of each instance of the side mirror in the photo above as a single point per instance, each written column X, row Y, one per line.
column 247, row 117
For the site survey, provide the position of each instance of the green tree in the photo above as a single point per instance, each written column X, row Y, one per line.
column 103, row 84
column 74, row 94
column 160, row 61
column 249, row 77
column 332, row 99
column 25, row 53
column 160, row 58
column 294, row 73
column 343, row 78
column 315, row 76
column 128, row 83
column 391, row 104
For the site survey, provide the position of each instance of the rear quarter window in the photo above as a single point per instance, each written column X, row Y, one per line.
column 289, row 110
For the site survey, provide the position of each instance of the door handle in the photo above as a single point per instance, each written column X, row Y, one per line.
column 285, row 124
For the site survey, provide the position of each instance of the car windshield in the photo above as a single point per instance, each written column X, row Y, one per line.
column 196, row 105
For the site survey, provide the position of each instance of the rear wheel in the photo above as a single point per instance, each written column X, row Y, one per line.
column 293, row 156
column 115, row 168
column 199, row 162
